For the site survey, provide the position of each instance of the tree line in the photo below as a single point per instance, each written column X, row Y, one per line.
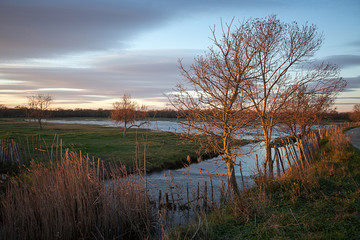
column 20, row 112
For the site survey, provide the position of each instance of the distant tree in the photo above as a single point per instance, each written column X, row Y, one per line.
column 310, row 103
column 3, row 110
column 38, row 107
column 355, row 114
column 127, row 112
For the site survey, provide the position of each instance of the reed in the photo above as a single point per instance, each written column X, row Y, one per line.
column 70, row 199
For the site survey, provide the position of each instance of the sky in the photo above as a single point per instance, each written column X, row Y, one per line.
column 87, row 54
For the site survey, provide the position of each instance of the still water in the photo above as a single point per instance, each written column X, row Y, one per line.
column 188, row 182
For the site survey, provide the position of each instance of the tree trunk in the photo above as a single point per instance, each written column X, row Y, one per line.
column 269, row 159
column 125, row 128
column 40, row 124
column 231, row 179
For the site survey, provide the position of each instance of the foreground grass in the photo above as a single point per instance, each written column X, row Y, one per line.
column 163, row 150
column 322, row 202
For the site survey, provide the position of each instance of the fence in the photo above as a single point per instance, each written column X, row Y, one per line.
column 10, row 152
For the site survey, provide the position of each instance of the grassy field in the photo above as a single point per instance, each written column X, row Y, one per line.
column 322, row 202
column 163, row 150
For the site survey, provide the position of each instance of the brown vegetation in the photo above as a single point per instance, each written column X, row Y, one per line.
column 71, row 200
column 355, row 114
column 38, row 107
column 310, row 105
column 127, row 112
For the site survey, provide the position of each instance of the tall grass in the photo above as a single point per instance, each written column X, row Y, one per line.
column 71, row 200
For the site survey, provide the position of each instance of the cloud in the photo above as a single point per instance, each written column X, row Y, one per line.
column 43, row 29
column 343, row 61
column 38, row 29
column 143, row 74
column 354, row 44
column 348, row 97
column 352, row 83
column 348, row 103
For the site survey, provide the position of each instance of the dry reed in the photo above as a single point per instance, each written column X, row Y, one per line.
column 71, row 200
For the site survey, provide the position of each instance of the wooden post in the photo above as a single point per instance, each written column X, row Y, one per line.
column 160, row 198
column 277, row 161
column 205, row 196
column 286, row 154
column 173, row 201
column 212, row 189
column 187, row 194
column 242, row 177
column 167, row 199
column 280, row 159
column 198, row 194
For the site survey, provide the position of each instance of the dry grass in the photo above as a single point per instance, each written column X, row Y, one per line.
column 320, row 201
column 69, row 200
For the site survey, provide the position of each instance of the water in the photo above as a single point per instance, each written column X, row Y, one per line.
column 167, row 126
column 188, row 183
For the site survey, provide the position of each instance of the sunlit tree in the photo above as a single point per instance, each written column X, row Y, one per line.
column 213, row 104
column 282, row 49
column 128, row 112
column 310, row 104
column 38, row 107
column 255, row 67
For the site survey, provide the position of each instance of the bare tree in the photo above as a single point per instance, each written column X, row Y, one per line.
column 281, row 50
column 257, row 65
column 355, row 114
column 38, row 107
column 214, row 106
column 311, row 103
column 127, row 112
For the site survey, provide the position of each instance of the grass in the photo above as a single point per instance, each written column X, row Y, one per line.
column 322, row 202
column 163, row 150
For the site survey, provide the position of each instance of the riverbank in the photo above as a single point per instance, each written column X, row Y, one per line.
column 322, row 202
column 162, row 150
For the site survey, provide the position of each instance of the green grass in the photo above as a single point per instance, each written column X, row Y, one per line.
column 321, row 203
column 163, row 150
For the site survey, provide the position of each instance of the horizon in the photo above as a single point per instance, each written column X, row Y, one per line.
column 87, row 55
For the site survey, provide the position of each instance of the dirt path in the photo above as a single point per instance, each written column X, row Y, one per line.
column 354, row 135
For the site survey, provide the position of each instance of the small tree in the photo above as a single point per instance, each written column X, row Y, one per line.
column 311, row 102
column 355, row 114
column 127, row 112
column 38, row 107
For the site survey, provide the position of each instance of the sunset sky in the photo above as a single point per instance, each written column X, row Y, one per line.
column 87, row 54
